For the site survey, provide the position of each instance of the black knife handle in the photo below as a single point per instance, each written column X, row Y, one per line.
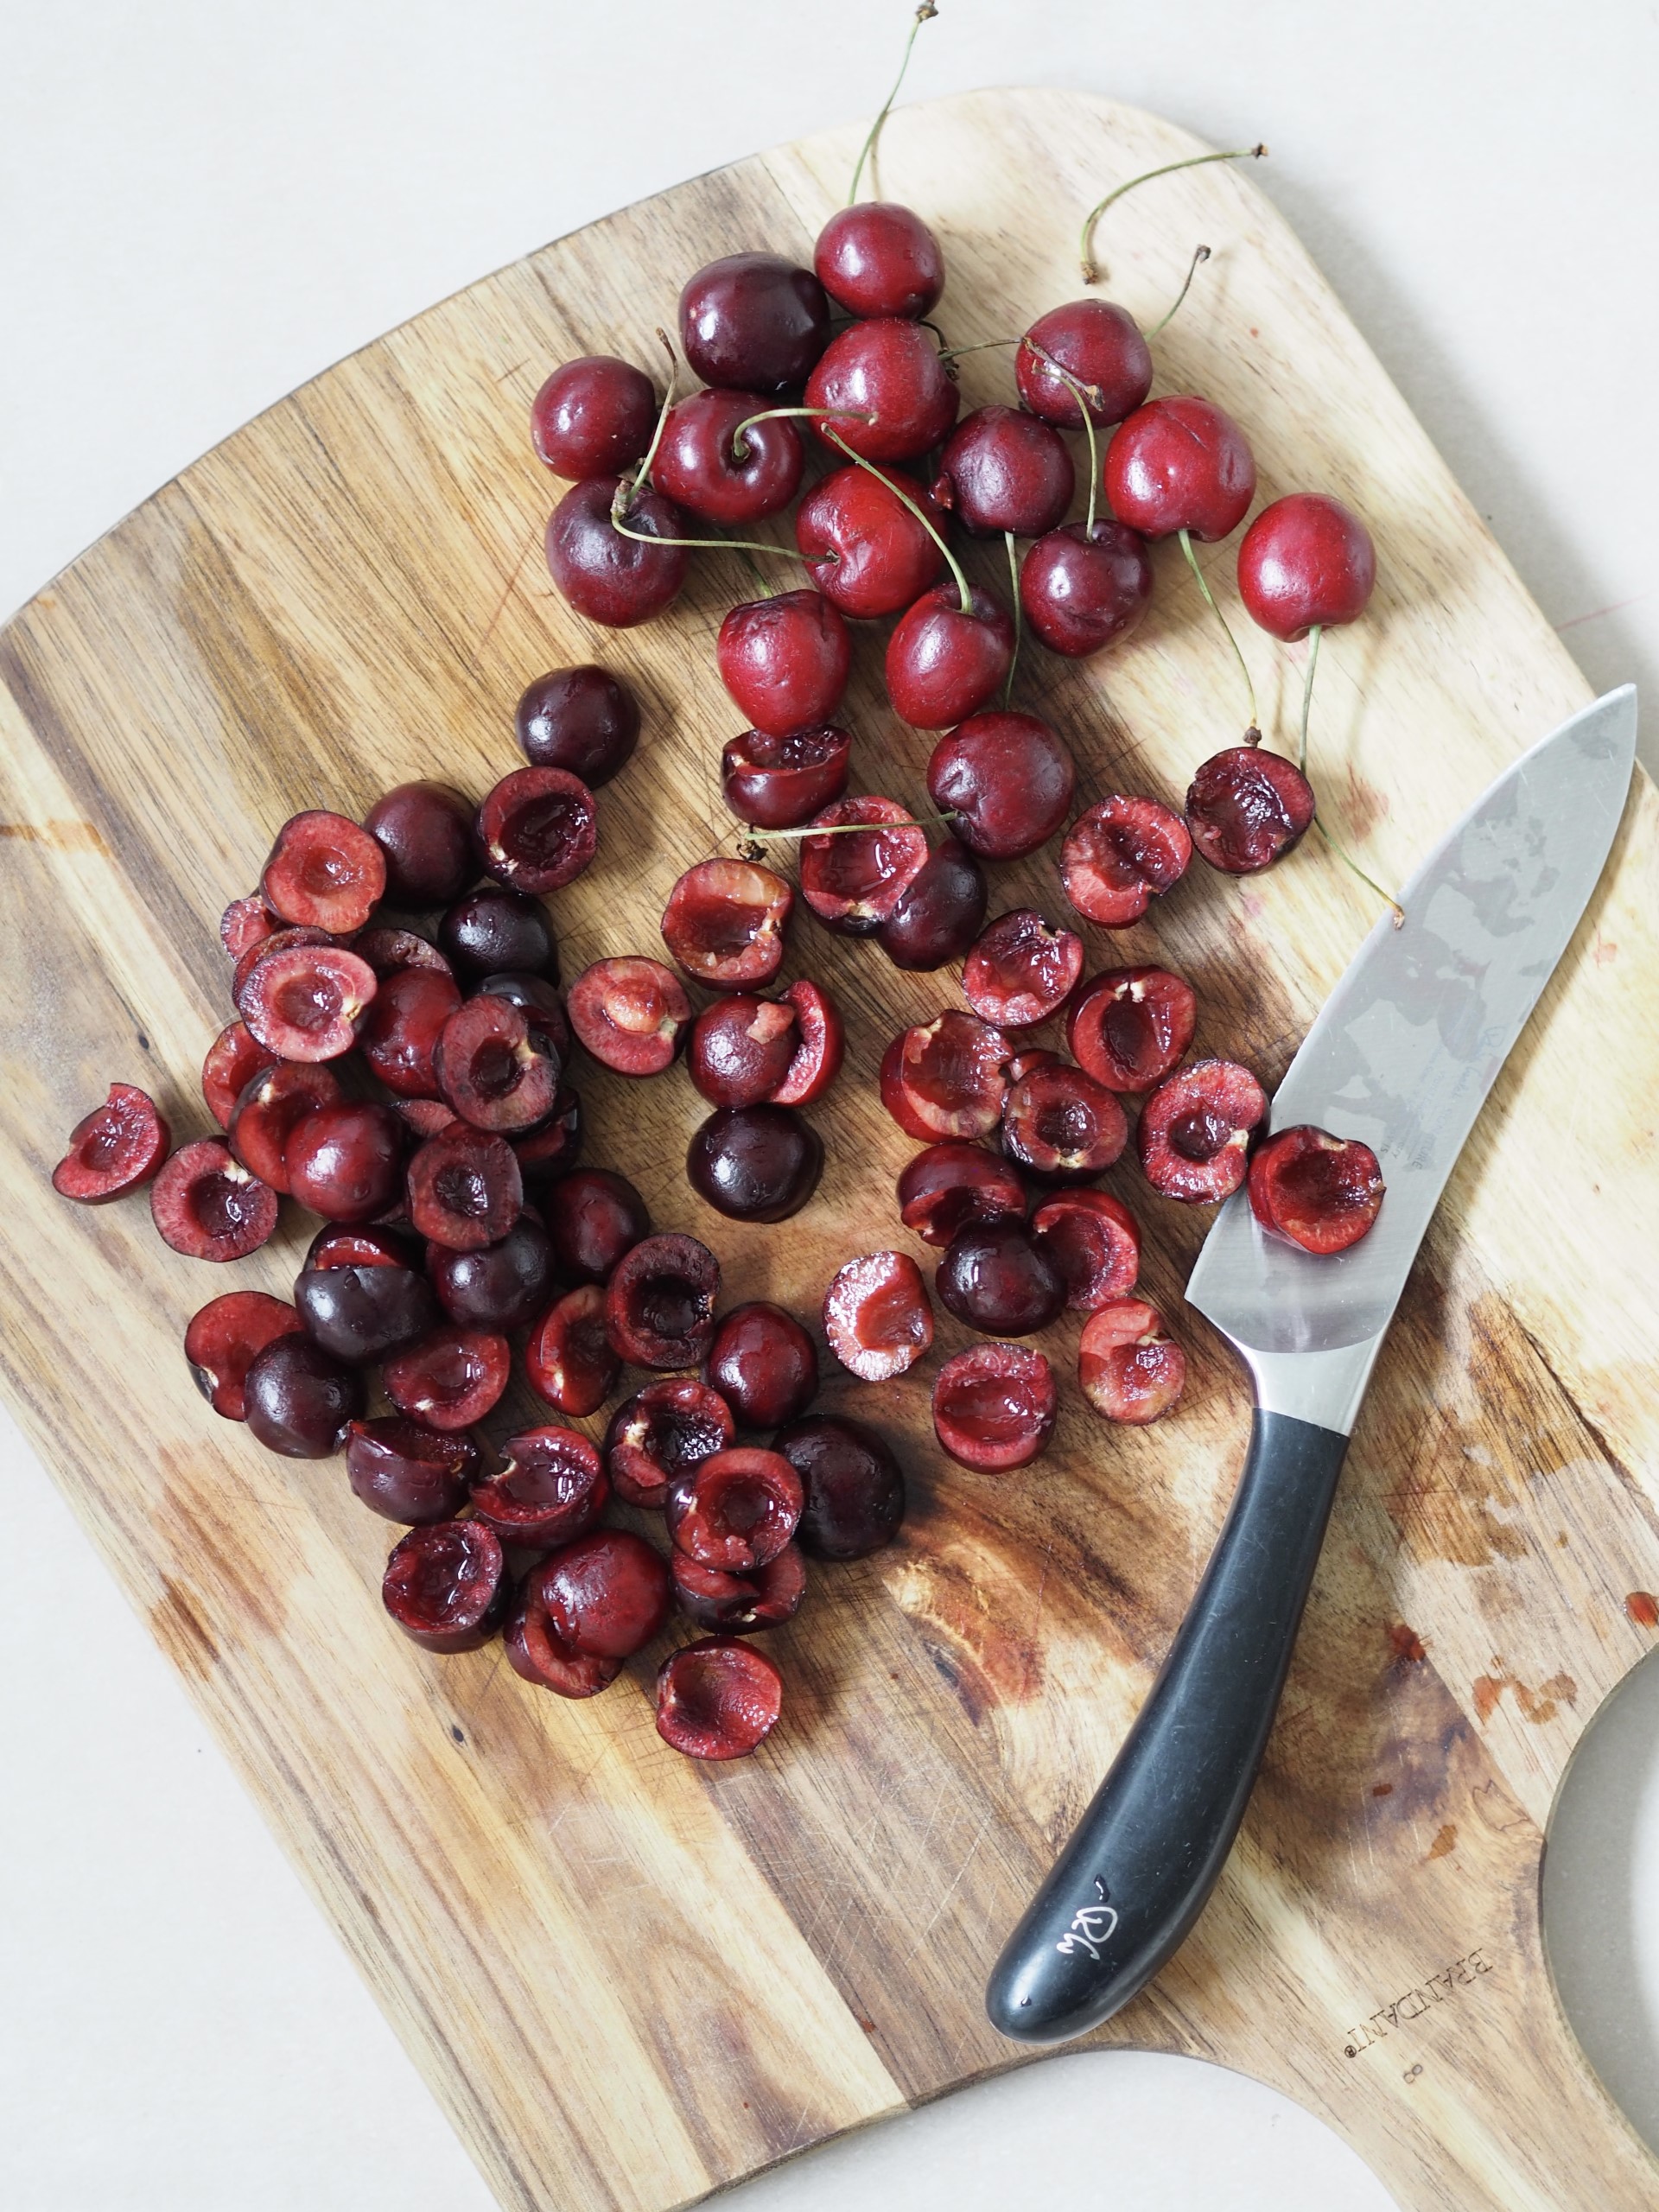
column 1145, row 1856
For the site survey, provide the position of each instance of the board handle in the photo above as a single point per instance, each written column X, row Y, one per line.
column 1144, row 1858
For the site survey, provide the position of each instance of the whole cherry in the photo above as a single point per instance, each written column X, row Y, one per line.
column 784, row 660
column 753, row 322
column 1005, row 471
column 1006, row 778
column 593, row 416
column 1305, row 563
column 879, row 258
column 948, row 656
column 616, row 575
column 725, row 459
column 871, row 551
column 1085, row 584
column 883, row 392
column 1099, row 347
column 1180, row 464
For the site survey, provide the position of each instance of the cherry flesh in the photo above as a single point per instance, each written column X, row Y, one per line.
column 361, row 1310
column 741, row 1049
column 424, row 1117
column 1320, row 1192
column 852, row 883
column 661, row 1432
column 755, row 1163
column 1130, row 1027
column 630, row 1013
column 764, row 1364
column 1085, row 584
column 607, row 1594
column 853, row 1491
column 605, row 574
column 1121, row 856
column 753, row 322
column 390, row 952
column 298, row 1398
column 582, row 719
column 939, row 914
column 114, row 1149
column 724, row 923
column 463, row 1188
column 449, row 1378
column 405, row 1471
column 245, row 922
column 223, row 1338
column 425, row 831
column 271, row 1107
column 994, row 1407
column 593, row 1218
column 737, row 1604
column 207, row 1204
column 877, row 1315
column 947, row 1077
column 778, row 783
column 1061, row 1125
column 1129, row 1368
column 324, row 873
column 345, row 1161
column 538, row 1653
column 400, row 1033
column 659, row 1304
column 995, row 1277
column 950, row 1185
column 1099, row 347
column 446, row 1585
column 502, row 1287
column 706, row 468
column 1194, row 1133
column 718, row 1699
column 943, row 664
column 1002, row 470
column 1178, row 464
column 1093, row 1240
column 784, row 660
column 889, row 373
column 736, row 1510
column 1305, row 560
column 277, row 941
column 492, row 1069
column 570, row 1360
column 550, row 1488
column 1247, row 808
column 538, row 828
column 540, row 1006
column 304, row 1001
column 1021, row 970
column 870, row 555
column 880, row 258
column 821, row 1042
column 497, row 931
column 592, row 417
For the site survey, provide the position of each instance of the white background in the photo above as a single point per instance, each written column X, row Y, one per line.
column 203, row 202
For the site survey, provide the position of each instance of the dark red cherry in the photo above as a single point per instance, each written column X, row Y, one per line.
column 593, row 1218
column 550, row 1488
column 784, row 660
column 994, row 1407
column 1320, row 1192
column 755, row 1163
column 114, row 1149
column 947, row 1077
column 541, row 1007
column 539, row 1655
column 607, row 1594
column 1060, row 1123
column 851, row 882
column 1194, row 1131
column 346, row 1161
column 1007, row 778
column 405, row 1471
column 400, row 1033
column 449, row 1378
column 389, row 951
column 425, row 831
column 659, row 1303
column 880, row 258
column 551, row 1150
column 724, row 923
column 997, row 1279
column 736, row 1510
column 753, row 322
column 661, row 1432
column 271, row 1107
column 583, row 719
column 1092, row 1239
column 630, row 1013
column 1130, row 1027
column 1179, row 464
column 502, row 1287
column 570, row 1360
column 763, row 1363
column 738, row 1604
column 877, row 1315
column 538, row 829
column 887, row 388
column 492, row 1070
column 1122, row 855
column 943, row 664
column 463, row 1189
column 940, row 912
column 954, row 1183
column 740, row 1049
column 1129, row 1369
column 592, row 417
column 205, row 1205
column 611, row 578
column 778, row 783
column 1002, row 470
column 1100, row 347
column 446, row 1585
column 821, row 1041
column 1247, row 808
column 298, row 1398
column 871, row 556
column 496, row 931
column 1083, row 587
column 853, row 1491
column 361, row 1307
column 707, row 468
column 1021, row 970
column 1304, row 560
column 717, row 1700
column 223, row 1338
column 324, row 873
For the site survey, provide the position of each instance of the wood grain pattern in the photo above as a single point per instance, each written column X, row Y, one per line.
column 629, row 1980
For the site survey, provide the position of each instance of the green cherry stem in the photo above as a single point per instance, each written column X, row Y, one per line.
column 1253, row 734
column 925, row 14
column 630, row 486
column 1396, row 911
column 964, row 594
column 1313, row 637
column 1201, row 254
column 752, row 845
column 741, row 444
column 1085, row 242
column 1019, row 625
column 724, row 544
column 1085, row 395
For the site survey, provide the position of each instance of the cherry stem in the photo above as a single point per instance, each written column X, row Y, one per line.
column 741, row 444
column 723, row 544
column 1083, row 394
column 754, row 839
column 1313, row 637
column 1253, row 736
column 1354, row 868
column 965, row 595
column 925, row 14
column 1085, row 243
column 633, row 486
column 1019, row 627
column 1202, row 253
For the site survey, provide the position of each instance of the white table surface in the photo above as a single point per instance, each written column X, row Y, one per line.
column 207, row 201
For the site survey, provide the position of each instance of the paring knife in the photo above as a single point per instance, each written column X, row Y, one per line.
column 1402, row 1056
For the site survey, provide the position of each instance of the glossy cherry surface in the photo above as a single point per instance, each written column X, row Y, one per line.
column 360, row 1311
column 1180, row 463
column 877, row 1315
column 736, row 1509
column 945, row 663
column 725, row 920
column 852, row 882
column 1084, row 586
column 887, row 388
column 764, row 1364
column 608, row 577
column 1021, row 970
column 495, row 931
column 947, row 1077
column 753, row 322
column 661, row 1432
column 390, row 952
column 1129, row 1368
column 1121, row 856
column 1247, row 808
column 400, row 1032
column 463, row 1188
column 853, row 1486
column 778, row 783
column 405, row 1471
column 1305, row 559
column 538, row 828
column 425, row 830
column 721, row 465
column 821, row 1043
column 940, row 912
column 114, row 1149
column 871, row 555
column 1005, row 470
column 607, row 1594
column 949, row 1184
column 755, row 1163
column 223, row 1339
column 659, row 1304
column 1059, row 1123
column 207, row 1204
column 550, row 1488
column 1194, row 1131
column 583, row 719
column 593, row 1217
column 741, row 1048
column 1130, row 1027
column 298, row 1398
column 1007, row 778
column 493, row 1069
column 449, row 1378
column 271, row 1106
column 304, row 1001
column 994, row 1407
column 346, row 1161
column 878, row 257
column 717, row 1700
column 593, row 416
column 446, row 1585
column 570, row 1360
column 995, row 1277
column 1098, row 346
column 1094, row 1241
column 324, row 872
column 538, row 1653
column 1321, row 1191
column 737, row 1604
column 501, row 1287
column 784, row 660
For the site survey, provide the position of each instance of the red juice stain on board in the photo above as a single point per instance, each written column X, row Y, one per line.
column 1642, row 1607
column 1407, row 1645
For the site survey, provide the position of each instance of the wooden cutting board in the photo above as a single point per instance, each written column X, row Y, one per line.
column 629, row 1979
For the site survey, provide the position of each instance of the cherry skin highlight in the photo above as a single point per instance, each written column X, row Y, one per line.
column 886, row 392
column 784, row 660
column 501, row 1287
column 405, row 1471
column 952, row 1184
column 880, row 258
column 345, row 1161
column 400, row 1033
column 1316, row 1190
column 755, row 1163
column 583, row 719
column 1009, row 780
column 265, row 1116
column 224, row 1337
column 425, row 831
column 1084, row 586
column 1099, row 347
column 495, row 931
column 1091, row 1237
column 707, row 468
column 593, row 1218
column 753, row 322
column 114, row 1149
column 446, row 1585
column 1305, row 559
column 852, row 883
column 592, row 417
column 1180, row 464
column 764, row 1364
column 943, row 664
column 871, row 556
column 740, row 1049
column 1002, row 470
column 997, row 1278
column 607, row 1594
column 724, row 923
column 550, row 1488
column 298, row 1398
column 613, row 579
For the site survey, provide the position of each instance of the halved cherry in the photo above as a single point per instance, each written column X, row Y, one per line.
column 877, row 1315
column 555, row 1148
column 1247, row 808
column 630, row 1013
column 537, row 1653
column 1021, row 970
column 741, row 1049
column 737, row 1604
column 736, row 1509
column 449, row 1378
column 1130, row 1367
column 1007, row 778
column 659, row 1303
column 821, row 1042
column 994, row 1407
column 540, row 1006
column 939, row 913
column 593, row 1218
column 718, row 1699
column 304, row 1001
column 361, row 1297
column 570, row 1360
column 446, row 1585
column 405, row 1471
column 1122, row 855
column 663, row 1432
column 271, row 1106
column 947, row 1077
column 538, row 828
column 1320, row 1192
column 550, row 1488
column 954, row 1183
column 324, row 872
column 724, row 923
column 852, row 882
column 1194, row 1133
column 1130, row 1025
column 463, row 1188
column 1059, row 1123
column 400, row 1033
column 1093, row 1240
column 245, row 922
column 491, row 1069
column 778, row 783
column 234, row 1057
column 224, row 1337
column 112, row 1150
column 607, row 1594
column 389, row 951
column 278, row 941
column 208, row 1205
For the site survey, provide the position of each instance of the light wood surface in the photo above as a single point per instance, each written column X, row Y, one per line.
column 627, row 1980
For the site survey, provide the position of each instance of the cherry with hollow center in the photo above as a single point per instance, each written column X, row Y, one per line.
column 447, row 1586
column 661, row 1432
column 852, row 882
column 717, row 1700
column 736, row 1509
column 737, row 1604
column 953, row 1183
column 1130, row 1369
column 1194, row 1131
column 753, row 322
column 304, row 1001
column 659, row 1303
column 779, row 783
column 114, row 1149
column 1247, row 808
column 947, row 1077
column 1092, row 1238
column 592, row 417
column 550, row 1488
column 324, row 872
column 538, row 829
column 631, row 1013
column 1121, row 856
column 463, row 1188
column 207, row 1204
column 1320, row 1192
column 994, row 1407
column 1021, row 970
column 492, row 1069
column 450, row 1377
column 1130, row 1027
column 1002, row 470
column 877, row 1315
column 725, row 920
column 822, row 1040
column 570, row 1360
column 223, row 1338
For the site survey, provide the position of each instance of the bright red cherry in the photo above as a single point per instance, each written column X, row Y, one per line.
column 1306, row 561
column 1180, row 464
column 878, row 258
column 1007, row 778
column 870, row 553
column 946, row 661
column 1001, row 470
column 753, row 322
column 784, row 660
column 704, row 466
column 889, row 371
column 593, row 416
column 609, row 577
column 1101, row 347
column 1084, row 586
